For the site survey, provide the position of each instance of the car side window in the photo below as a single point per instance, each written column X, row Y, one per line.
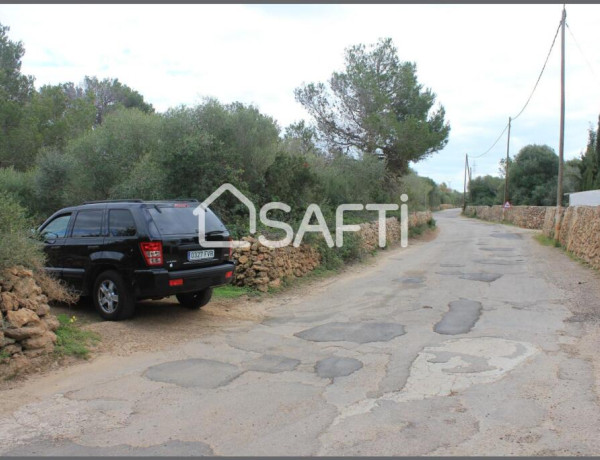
column 87, row 224
column 121, row 223
column 57, row 228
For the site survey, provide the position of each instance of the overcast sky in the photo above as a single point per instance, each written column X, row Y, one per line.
column 481, row 60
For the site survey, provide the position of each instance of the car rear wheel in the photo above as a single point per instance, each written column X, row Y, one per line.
column 195, row 300
column 112, row 297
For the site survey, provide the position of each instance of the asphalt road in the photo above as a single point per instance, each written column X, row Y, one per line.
column 480, row 342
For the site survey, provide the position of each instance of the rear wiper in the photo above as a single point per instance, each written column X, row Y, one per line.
column 214, row 232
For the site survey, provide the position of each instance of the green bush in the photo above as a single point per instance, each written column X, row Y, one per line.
column 17, row 245
column 18, row 184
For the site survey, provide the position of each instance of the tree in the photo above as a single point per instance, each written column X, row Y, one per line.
column 590, row 162
column 486, row 191
column 300, row 139
column 377, row 103
column 109, row 94
column 533, row 176
column 17, row 142
column 61, row 114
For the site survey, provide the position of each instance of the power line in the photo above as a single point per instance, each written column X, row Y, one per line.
column 530, row 96
column 541, row 73
column 493, row 145
column 582, row 53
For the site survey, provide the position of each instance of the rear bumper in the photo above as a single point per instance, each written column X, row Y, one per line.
column 155, row 282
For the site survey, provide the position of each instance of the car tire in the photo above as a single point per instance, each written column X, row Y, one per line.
column 112, row 297
column 195, row 300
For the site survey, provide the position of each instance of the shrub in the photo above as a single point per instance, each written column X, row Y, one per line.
column 17, row 245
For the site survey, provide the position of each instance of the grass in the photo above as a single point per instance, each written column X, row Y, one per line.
column 232, row 292
column 4, row 354
column 420, row 229
column 72, row 340
column 546, row 240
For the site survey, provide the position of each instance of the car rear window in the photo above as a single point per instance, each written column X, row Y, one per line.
column 121, row 223
column 179, row 219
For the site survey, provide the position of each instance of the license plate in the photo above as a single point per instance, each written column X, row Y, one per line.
column 201, row 255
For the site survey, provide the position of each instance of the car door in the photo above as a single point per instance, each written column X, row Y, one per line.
column 54, row 236
column 83, row 245
column 120, row 243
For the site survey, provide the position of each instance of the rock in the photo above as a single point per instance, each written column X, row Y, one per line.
column 51, row 322
column 26, row 287
column 23, row 333
column 275, row 283
column 12, row 349
column 22, row 272
column 42, row 309
column 35, row 352
column 243, row 259
column 6, row 341
column 41, row 341
column 8, row 301
column 262, row 287
column 19, row 318
column 19, row 363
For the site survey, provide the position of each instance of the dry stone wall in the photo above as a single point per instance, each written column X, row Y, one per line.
column 523, row 216
column 262, row 268
column 580, row 233
column 27, row 325
column 579, row 225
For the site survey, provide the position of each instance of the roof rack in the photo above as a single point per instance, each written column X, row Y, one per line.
column 114, row 201
column 137, row 200
column 183, row 200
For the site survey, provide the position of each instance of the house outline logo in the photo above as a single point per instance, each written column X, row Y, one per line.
column 200, row 211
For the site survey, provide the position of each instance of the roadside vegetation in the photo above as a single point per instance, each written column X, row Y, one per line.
column 533, row 174
column 99, row 139
column 72, row 340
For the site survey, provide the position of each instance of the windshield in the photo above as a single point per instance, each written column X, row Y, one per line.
column 179, row 219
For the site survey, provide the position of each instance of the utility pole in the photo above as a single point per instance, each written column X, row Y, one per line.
column 465, row 184
column 471, row 190
column 561, row 141
column 506, row 166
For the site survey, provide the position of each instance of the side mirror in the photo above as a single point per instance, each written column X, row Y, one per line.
column 50, row 237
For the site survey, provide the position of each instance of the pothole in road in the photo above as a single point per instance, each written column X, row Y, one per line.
column 410, row 280
column 460, row 319
column 353, row 332
column 487, row 277
column 203, row 373
column 498, row 261
column 450, row 367
column 507, row 236
column 494, row 249
column 337, row 367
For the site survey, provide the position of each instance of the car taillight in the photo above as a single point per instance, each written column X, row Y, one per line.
column 153, row 253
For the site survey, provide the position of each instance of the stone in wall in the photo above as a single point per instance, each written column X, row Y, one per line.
column 27, row 326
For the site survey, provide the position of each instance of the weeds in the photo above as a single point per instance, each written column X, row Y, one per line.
column 72, row 340
column 233, row 292
column 547, row 241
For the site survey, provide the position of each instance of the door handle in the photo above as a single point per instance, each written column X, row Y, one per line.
column 94, row 247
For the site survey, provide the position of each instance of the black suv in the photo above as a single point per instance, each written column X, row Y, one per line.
column 122, row 251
